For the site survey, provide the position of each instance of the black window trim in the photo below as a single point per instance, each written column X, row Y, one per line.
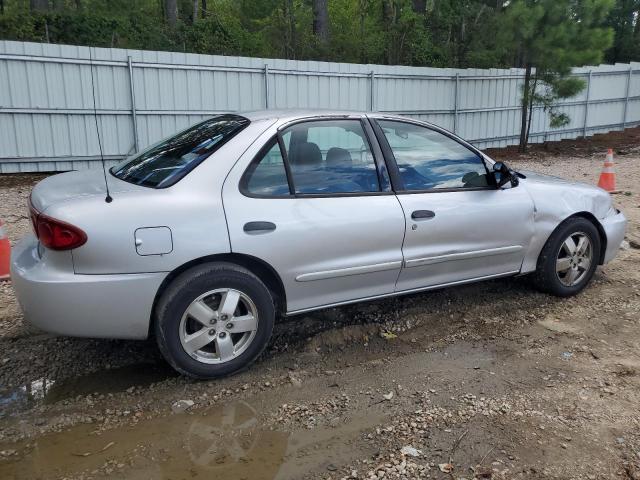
column 394, row 170
column 380, row 162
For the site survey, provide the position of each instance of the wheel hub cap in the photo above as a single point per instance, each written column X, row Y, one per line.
column 574, row 259
column 230, row 338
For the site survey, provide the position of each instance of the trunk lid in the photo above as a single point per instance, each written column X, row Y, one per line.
column 85, row 183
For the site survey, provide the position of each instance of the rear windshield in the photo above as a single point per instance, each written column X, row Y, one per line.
column 164, row 163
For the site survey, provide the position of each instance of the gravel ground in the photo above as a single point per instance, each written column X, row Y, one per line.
column 492, row 380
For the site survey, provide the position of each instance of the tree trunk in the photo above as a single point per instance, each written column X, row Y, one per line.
column 203, row 9
column 78, row 4
column 195, row 11
column 363, row 16
column 58, row 5
column 171, row 12
column 39, row 5
column 532, row 94
column 522, row 147
column 289, row 34
column 388, row 20
column 419, row 6
column 321, row 20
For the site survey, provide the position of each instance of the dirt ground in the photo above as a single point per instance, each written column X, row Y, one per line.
column 492, row 380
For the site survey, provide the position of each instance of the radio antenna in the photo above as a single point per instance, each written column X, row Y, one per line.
column 108, row 198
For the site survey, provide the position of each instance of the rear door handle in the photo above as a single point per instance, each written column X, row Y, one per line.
column 257, row 227
column 422, row 214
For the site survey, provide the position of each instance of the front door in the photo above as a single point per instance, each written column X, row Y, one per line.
column 459, row 226
column 311, row 202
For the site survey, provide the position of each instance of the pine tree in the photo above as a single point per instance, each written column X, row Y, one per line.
column 549, row 37
column 625, row 20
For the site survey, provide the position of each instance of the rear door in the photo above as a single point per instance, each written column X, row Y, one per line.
column 459, row 226
column 315, row 203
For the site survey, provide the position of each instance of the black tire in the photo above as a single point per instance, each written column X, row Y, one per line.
column 545, row 278
column 186, row 288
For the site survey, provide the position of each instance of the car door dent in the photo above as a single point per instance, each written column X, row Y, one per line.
column 466, row 222
column 416, row 262
column 554, row 203
column 344, row 272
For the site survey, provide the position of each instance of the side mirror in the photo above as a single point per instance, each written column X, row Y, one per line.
column 503, row 174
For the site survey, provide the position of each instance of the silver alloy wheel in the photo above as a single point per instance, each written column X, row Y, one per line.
column 218, row 326
column 574, row 259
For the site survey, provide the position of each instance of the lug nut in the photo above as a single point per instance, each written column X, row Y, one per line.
column 229, row 326
column 212, row 332
column 222, row 335
column 223, row 317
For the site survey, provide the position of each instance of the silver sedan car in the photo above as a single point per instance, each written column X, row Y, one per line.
column 208, row 236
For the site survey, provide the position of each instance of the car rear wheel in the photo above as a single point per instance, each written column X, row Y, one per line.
column 569, row 258
column 214, row 320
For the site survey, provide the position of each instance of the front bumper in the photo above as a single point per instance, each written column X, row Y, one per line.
column 57, row 300
column 614, row 227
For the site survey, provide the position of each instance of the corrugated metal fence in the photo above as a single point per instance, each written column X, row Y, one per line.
column 46, row 101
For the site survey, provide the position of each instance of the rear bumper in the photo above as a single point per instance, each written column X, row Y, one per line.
column 57, row 300
column 614, row 227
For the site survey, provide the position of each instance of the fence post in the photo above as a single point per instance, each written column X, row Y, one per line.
column 133, row 106
column 586, row 107
column 372, row 79
column 455, row 103
column 266, row 85
column 626, row 100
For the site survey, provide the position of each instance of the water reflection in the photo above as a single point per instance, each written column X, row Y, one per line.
column 225, row 442
column 49, row 391
column 24, row 395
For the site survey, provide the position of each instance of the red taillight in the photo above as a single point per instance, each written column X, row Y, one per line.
column 56, row 234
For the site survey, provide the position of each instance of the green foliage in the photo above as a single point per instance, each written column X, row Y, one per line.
column 624, row 18
column 555, row 88
column 448, row 33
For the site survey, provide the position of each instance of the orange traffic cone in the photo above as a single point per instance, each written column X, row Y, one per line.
column 5, row 253
column 608, row 176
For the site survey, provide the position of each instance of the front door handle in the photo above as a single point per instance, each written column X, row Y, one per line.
column 422, row 214
column 258, row 227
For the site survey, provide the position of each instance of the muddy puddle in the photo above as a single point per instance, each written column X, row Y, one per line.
column 49, row 391
column 223, row 442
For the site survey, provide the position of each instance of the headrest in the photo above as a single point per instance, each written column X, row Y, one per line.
column 307, row 153
column 339, row 156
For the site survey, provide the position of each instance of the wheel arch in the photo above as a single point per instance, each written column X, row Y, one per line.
column 257, row 266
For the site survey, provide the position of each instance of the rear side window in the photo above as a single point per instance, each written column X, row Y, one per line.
column 428, row 159
column 166, row 162
column 330, row 156
column 267, row 176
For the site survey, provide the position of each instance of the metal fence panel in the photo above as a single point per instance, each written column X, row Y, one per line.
column 46, row 99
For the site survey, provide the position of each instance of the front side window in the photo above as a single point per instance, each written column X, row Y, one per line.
column 428, row 159
column 166, row 162
column 330, row 156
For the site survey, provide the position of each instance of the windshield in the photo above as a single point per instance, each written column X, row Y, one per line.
column 164, row 163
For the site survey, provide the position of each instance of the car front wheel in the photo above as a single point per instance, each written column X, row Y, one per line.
column 214, row 320
column 569, row 259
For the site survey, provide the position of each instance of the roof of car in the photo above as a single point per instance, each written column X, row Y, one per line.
column 293, row 114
